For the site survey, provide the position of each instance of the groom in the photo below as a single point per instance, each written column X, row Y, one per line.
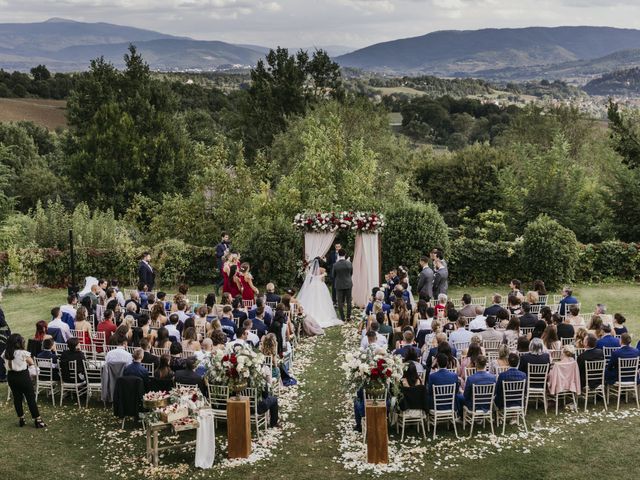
column 342, row 271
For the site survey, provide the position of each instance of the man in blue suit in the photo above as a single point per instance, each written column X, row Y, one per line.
column 481, row 377
column 511, row 375
column 607, row 340
column 567, row 299
column 626, row 351
column 441, row 377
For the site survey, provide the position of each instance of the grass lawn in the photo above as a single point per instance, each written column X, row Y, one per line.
column 77, row 445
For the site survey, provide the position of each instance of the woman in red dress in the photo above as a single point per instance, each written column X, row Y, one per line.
column 249, row 291
column 230, row 280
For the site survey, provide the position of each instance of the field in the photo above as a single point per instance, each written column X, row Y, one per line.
column 48, row 113
column 77, row 445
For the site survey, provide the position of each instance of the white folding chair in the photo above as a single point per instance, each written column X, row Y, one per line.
column 411, row 417
column 218, row 396
column 481, row 407
column 535, row 309
column 537, row 384
column 444, row 409
column 513, row 404
column 248, row 304
column 76, row 384
column 491, row 345
column 542, row 299
column 482, row 301
column 46, row 379
column 93, row 375
column 526, row 330
column 627, row 380
column 594, row 372
column 260, row 419
column 608, row 351
column 150, row 368
column 556, row 355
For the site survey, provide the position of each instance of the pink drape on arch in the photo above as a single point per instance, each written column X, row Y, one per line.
column 366, row 269
column 317, row 244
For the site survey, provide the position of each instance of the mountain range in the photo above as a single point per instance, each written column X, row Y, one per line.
column 517, row 53
column 67, row 45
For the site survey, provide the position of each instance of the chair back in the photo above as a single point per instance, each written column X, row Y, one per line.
column 594, row 372
column 45, row 370
column 567, row 341
column 468, row 371
column 248, row 303
column 159, row 351
column 498, row 369
column 535, row 309
column 542, row 299
column 513, row 393
column 608, row 351
column 73, row 371
column 482, row 301
column 93, row 372
column 526, row 330
column 456, row 303
column 628, row 370
column 444, row 396
column 460, row 347
column 61, row 347
column 537, row 374
column 187, row 353
column 491, row 345
column 483, row 396
column 218, row 395
column 555, row 355
column 252, row 394
column 150, row 368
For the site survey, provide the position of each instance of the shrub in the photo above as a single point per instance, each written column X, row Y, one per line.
column 484, row 262
column 550, row 252
column 412, row 230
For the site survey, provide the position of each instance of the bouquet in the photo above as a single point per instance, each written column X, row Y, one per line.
column 237, row 366
column 190, row 397
column 373, row 370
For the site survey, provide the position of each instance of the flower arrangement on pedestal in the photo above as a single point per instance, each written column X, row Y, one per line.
column 372, row 370
column 238, row 366
column 330, row 222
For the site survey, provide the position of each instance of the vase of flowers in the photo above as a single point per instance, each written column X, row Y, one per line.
column 373, row 371
column 238, row 366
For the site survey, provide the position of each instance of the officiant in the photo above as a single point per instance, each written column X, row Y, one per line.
column 332, row 258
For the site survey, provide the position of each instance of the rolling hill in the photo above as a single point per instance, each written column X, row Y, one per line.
column 67, row 45
column 619, row 83
column 487, row 52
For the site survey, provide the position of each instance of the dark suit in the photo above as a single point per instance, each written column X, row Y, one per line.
column 530, row 358
column 425, row 283
column 565, row 330
column 332, row 258
column 492, row 311
column 146, row 275
column 441, row 377
column 588, row 355
column 528, row 320
column 478, row 378
column 342, row 272
column 189, row 377
column 440, row 281
column 150, row 358
column 611, row 373
column 511, row 375
column 272, row 297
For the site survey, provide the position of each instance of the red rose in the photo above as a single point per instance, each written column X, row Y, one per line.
column 194, row 397
column 225, row 358
column 380, row 362
column 388, row 372
column 234, row 359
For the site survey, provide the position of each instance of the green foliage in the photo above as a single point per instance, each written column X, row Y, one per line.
column 40, row 84
column 609, row 260
column 490, row 225
column 625, row 133
column 550, row 252
column 484, row 262
column 412, row 230
column 127, row 136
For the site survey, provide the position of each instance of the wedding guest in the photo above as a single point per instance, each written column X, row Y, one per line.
column 400, row 318
column 41, row 331
column 538, row 329
column 442, row 376
column 163, row 340
column 625, row 351
column 503, row 359
column 72, row 354
column 538, row 286
column 69, row 308
column 271, row 295
column 148, row 357
column 591, row 353
column 135, row 368
column 56, row 322
column 467, row 310
column 581, row 335
column 564, row 327
column 494, row 307
column 120, row 354
column 172, row 327
column 189, row 376
column 133, row 304
column 528, row 319
column 567, row 299
column 523, row 344
column 17, row 362
column 536, row 355
column 190, row 341
column 181, row 311
column 177, row 362
column 479, row 323
column 158, row 314
column 469, row 361
column 49, row 353
column 460, row 335
column 227, row 323
column 514, row 305
column 377, row 305
column 262, row 302
column 532, row 298
column 83, row 325
column 618, row 324
column 481, row 377
column 238, row 312
column 607, row 340
column 279, row 320
column 260, row 321
column 550, row 338
column 595, row 326
column 380, row 340
column 413, row 358
column 107, row 326
column 573, row 317
column 546, row 315
column 515, row 286
column 407, row 343
column 502, row 318
column 219, row 339
column 510, row 375
column 441, row 304
column 164, row 371
column 491, row 334
column 512, row 332
column 252, row 338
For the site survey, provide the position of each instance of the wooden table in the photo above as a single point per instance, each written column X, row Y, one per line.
column 153, row 447
column 238, row 427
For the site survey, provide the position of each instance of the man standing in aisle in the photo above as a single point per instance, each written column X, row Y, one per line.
column 342, row 273
column 441, row 273
column 425, row 280
column 222, row 249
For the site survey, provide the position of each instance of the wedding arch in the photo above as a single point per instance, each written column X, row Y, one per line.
column 320, row 230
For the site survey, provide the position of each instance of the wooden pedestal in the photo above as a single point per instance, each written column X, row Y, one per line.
column 377, row 432
column 238, row 428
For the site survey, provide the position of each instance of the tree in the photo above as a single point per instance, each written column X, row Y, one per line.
column 40, row 73
column 625, row 134
column 127, row 136
column 283, row 87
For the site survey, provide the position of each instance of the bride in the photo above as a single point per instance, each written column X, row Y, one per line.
column 315, row 298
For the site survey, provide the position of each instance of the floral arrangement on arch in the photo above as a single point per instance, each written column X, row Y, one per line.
column 234, row 365
column 330, row 222
column 373, row 368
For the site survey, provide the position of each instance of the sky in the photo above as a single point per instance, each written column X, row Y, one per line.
column 307, row 23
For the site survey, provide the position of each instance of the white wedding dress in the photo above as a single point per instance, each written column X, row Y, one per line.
column 315, row 298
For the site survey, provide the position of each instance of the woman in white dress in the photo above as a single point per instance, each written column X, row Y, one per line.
column 315, row 298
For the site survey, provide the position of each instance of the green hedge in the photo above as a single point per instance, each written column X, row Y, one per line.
column 482, row 262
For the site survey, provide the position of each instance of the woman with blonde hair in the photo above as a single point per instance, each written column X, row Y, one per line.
column 532, row 297
column 581, row 335
column 83, row 325
column 595, row 326
column 269, row 348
